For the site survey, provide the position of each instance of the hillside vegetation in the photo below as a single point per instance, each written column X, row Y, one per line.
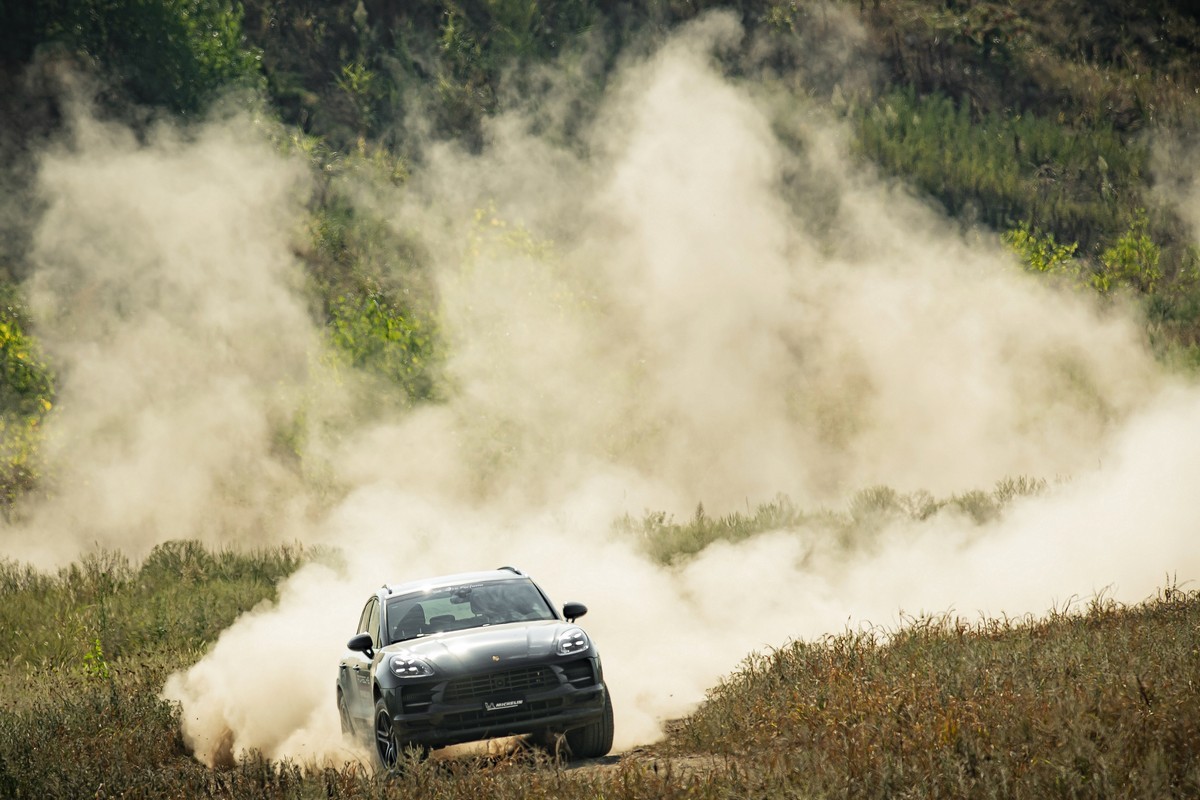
column 1056, row 125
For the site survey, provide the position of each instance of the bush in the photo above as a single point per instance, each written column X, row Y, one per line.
column 26, row 398
column 1039, row 252
column 377, row 337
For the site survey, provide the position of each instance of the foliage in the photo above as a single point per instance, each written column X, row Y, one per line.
column 667, row 541
column 1006, row 168
column 94, row 663
column 377, row 337
column 1009, row 113
column 26, row 383
column 481, row 45
column 100, row 734
column 1070, row 90
column 1132, row 260
column 1040, row 252
column 375, row 295
column 359, row 83
column 1089, row 62
column 174, row 53
column 26, row 398
column 84, row 653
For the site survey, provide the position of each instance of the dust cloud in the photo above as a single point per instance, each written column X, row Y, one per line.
column 675, row 308
column 161, row 275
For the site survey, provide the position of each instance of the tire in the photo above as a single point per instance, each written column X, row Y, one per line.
column 594, row 739
column 386, row 749
column 390, row 752
column 344, row 716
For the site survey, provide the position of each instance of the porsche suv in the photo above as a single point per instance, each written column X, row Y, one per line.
column 468, row 657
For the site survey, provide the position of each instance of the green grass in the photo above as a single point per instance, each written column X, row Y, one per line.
column 1003, row 168
column 180, row 598
column 666, row 541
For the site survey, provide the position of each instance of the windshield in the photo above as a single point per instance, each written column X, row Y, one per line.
column 467, row 606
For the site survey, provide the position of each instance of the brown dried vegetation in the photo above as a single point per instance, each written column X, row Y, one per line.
column 1094, row 700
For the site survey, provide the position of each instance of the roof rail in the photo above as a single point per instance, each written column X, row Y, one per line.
column 510, row 569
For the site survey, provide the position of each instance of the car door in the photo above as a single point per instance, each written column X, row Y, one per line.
column 356, row 670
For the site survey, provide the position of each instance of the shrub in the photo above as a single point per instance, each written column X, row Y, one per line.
column 26, row 398
column 1133, row 260
column 1040, row 253
column 376, row 336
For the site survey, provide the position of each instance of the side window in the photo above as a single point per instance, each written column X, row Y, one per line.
column 373, row 623
column 364, row 619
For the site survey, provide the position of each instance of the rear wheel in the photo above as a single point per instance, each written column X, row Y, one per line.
column 594, row 739
column 344, row 716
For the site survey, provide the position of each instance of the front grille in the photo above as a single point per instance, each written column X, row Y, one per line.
column 494, row 683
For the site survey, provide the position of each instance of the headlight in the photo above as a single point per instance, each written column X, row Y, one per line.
column 406, row 666
column 572, row 640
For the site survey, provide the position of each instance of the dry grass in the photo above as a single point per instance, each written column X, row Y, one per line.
column 1099, row 700
column 1102, row 702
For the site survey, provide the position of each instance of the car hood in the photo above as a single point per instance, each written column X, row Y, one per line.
column 487, row 647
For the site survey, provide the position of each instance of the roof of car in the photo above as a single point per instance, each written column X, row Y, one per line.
column 440, row 581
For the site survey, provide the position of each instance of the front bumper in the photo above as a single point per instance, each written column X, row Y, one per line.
column 530, row 699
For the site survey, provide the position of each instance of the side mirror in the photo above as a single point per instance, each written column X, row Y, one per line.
column 362, row 643
column 573, row 611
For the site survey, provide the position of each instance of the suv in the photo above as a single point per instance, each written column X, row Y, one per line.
column 469, row 657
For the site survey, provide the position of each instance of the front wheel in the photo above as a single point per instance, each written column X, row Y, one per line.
column 387, row 750
column 594, row 739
